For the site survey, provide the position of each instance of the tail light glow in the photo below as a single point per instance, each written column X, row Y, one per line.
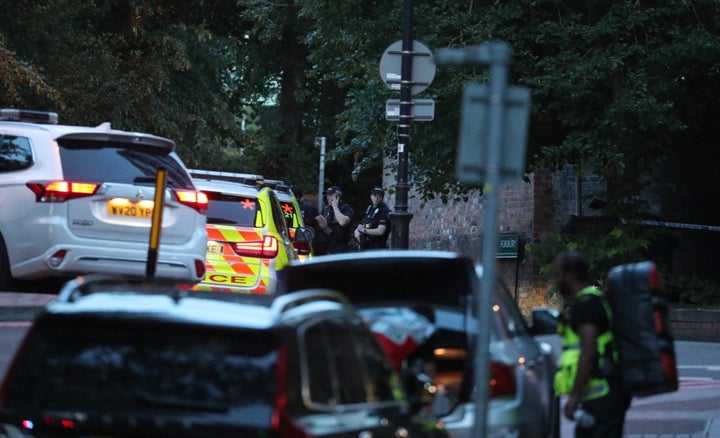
column 265, row 249
column 502, row 380
column 303, row 248
column 193, row 199
column 61, row 191
column 281, row 421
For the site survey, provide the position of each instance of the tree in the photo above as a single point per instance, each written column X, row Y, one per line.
column 19, row 78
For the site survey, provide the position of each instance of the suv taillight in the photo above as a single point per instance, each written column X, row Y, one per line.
column 200, row 268
column 303, row 248
column 264, row 249
column 193, row 199
column 61, row 191
column 281, row 421
column 502, row 380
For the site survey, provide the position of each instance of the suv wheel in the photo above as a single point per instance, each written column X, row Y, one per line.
column 5, row 277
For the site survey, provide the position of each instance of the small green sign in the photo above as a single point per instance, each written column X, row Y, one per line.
column 508, row 246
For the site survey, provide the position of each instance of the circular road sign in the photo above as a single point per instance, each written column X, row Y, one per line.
column 423, row 66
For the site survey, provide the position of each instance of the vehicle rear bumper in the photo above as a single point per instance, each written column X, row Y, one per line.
column 175, row 262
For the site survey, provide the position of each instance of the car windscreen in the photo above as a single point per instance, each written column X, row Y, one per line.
column 116, row 366
column 98, row 161
column 240, row 211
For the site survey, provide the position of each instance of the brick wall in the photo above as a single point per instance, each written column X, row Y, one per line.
column 544, row 203
column 457, row 227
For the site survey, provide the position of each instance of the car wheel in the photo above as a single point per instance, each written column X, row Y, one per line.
column 5, row 277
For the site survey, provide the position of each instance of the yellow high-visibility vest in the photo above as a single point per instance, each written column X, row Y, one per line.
column 598, row 386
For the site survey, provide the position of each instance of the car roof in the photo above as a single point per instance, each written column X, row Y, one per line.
column 166, row 308
column 115, row 297
column 103, row 132
column 227, row 187
column 385, row 276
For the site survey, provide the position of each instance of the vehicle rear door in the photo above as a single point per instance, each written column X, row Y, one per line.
column 236, row 248
column 121, row 207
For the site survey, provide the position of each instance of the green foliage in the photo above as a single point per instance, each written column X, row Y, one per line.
column 692, row 289
column 617, row 86
column 624, row 243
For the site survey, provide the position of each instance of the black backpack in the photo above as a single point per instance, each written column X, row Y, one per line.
column 640, row 327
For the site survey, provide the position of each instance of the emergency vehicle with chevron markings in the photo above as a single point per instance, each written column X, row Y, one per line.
column 248, row 237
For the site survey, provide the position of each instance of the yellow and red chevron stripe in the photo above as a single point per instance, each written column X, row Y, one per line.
column 226, row 269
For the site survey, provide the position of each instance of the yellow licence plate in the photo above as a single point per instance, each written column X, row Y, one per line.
column 214, row 247
column 126, row 208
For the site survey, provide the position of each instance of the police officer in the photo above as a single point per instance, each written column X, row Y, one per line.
column 373, row 230
column 334, row 223
column 586, row 370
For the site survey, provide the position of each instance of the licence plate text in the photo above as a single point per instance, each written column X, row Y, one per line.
column 129, row 209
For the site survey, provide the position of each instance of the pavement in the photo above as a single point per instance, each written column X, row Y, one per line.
column 22, row 306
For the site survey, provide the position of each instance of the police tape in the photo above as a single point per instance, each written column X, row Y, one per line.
column 681, row 226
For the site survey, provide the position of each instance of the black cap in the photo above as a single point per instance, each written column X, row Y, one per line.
column 297, row 191
column 378, row 190
column 333, row 190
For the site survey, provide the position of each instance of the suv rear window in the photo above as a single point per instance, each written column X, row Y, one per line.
column 113, row 162
column 240, row 211
column 91, row 365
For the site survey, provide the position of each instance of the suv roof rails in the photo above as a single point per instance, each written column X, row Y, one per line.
column 84, row 285
column 244, row 178
column 283, row 303
column 29, row 116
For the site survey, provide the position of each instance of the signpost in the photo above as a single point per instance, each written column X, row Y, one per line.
column 406, row 66
column 422, row 110
column 423, row 67
column 488, row 128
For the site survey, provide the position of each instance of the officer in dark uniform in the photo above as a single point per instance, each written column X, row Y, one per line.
column 374, row 229
column 334, row 223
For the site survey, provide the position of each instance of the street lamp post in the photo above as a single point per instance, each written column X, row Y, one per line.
column 400, row 217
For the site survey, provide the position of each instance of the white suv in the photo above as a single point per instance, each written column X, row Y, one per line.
column 77, row 200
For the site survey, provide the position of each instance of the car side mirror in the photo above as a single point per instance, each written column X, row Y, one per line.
column 544, row 321
column 303, row 240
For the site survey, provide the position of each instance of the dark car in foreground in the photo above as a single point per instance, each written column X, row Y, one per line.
column 114, row 359
column 438, row 287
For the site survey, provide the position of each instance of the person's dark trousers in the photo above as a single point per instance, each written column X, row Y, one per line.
column 609, row 413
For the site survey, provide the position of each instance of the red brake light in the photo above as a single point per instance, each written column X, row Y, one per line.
column 281, row 421
column 193, row 199
column 303, row 248
column 264, row 249
column 502, row 380
column 200, row 268
column 61, row 191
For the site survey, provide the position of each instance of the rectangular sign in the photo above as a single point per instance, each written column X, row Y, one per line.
column 508, row 246
column 421, row 110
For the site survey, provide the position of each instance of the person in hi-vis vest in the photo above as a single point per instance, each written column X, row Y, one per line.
column 586, row 371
